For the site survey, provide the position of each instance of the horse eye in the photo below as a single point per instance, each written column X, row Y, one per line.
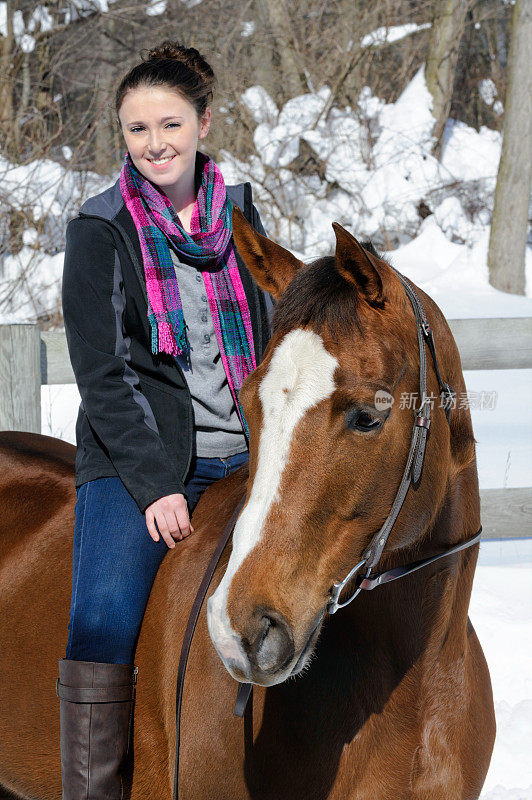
column 360, row 420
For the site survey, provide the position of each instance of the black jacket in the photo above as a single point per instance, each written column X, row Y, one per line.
column 135, row 419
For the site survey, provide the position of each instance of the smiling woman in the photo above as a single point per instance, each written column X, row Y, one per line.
column 163, row 323
column 164, row 147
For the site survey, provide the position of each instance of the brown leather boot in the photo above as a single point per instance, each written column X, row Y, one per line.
column 96, row 711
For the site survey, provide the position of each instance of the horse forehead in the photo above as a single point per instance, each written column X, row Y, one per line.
column 300, row 373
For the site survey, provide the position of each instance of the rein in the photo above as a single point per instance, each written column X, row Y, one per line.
column 373, row 551
column 244, row 689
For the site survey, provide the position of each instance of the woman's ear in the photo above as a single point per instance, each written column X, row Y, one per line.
column 271, row 265
column 205, row 123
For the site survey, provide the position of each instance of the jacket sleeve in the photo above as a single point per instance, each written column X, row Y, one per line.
column 118, row 412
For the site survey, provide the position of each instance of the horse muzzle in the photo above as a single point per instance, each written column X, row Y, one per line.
column 263, row 652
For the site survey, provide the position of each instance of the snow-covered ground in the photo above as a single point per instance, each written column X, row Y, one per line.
column 501, row 612
column 377, row 170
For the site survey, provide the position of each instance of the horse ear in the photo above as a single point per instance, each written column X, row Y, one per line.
column 271, row 265
column 358, row 266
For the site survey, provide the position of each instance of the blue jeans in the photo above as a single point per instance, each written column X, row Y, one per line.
column 115, row 562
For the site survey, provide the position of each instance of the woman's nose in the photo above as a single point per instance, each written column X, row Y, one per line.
column 155, row 142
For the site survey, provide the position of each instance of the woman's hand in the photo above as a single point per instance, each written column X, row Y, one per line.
column 171, row 514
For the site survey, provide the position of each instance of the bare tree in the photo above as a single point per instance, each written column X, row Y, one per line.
column 442, row 55
column 105, row 84
column 285, row 51
column 506, row 258
column 7, row 51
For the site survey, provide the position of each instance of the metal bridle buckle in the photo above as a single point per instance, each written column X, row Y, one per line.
column 333, row 605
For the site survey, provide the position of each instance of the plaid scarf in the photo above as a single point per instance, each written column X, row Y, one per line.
column 208, row 245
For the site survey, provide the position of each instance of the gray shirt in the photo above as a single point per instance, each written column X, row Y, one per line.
column 217, row 425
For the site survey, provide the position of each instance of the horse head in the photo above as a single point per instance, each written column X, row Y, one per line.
column 330, row 419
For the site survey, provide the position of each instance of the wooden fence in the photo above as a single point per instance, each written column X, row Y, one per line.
column 30, row 358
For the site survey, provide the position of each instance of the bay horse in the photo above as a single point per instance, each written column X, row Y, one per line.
column 388, row 698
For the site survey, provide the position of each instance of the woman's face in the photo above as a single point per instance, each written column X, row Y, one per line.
column 160, row 124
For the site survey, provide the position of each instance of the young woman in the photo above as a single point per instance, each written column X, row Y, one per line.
column 163, row 323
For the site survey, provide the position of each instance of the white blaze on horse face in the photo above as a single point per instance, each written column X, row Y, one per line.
column 299, row 376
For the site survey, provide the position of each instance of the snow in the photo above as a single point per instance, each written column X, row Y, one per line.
column 500, row 793
column 48, row 194
column 13, row 319
column 59, row 411
column 470, row 155
column 487, row 90
column 155, row 7
column 377, row 169
column 439, row 267
column 392, row 34
column 41, row 183
column 501, row 612
column 41, row 19
column 248, row 28
column 260, row 104
column 504, row 433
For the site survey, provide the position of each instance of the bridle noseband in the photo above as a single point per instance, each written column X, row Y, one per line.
column 411, row 474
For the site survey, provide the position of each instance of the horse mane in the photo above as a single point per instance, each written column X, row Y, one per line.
column 319, row 296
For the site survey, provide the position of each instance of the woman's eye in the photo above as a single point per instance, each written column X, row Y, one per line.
column 360, row 420
column 138, row 128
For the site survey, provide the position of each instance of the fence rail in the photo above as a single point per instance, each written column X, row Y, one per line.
column 30, row 358
column 506, row 513
column 493, row 343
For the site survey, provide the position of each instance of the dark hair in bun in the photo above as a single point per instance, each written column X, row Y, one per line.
column 182, row 69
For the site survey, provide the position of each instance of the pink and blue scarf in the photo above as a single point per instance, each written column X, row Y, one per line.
column 208, row 245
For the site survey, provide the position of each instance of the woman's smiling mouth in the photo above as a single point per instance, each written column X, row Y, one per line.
column 161, row 162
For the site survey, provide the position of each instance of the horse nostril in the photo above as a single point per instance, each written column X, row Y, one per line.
column 269, row 643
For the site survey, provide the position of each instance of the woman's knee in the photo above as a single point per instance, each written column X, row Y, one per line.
column 107, row 624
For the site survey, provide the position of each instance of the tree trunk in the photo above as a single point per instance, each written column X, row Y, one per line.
column 506, row 257
column 104, row 151
column 292, row 79
column 7, row 113
column 446, row 32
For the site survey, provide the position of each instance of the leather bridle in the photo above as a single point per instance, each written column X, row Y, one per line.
column 372, row 553
column 412, row 472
